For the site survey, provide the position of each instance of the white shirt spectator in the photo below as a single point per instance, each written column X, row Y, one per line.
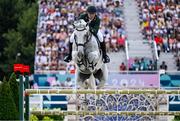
column 55, row 47
column 152, row 23
column 98, row 2
column 70, row 16
column 43, row 59
column 56, row 13
column 63, row 22
column 178, row 45
column 43, row 40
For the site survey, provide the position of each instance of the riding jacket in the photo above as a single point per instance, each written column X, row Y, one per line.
column 93, row 25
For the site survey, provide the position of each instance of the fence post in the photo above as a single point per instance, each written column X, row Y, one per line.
column 21, row 98
column 26, row 98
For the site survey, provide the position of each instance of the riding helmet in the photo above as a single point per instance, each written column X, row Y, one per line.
column 91, row 9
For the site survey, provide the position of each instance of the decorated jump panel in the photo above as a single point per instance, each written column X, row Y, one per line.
column 100, row 91
column 41, row 112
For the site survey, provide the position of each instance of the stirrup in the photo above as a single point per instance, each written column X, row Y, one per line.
column 106, row 59
column 67, row 58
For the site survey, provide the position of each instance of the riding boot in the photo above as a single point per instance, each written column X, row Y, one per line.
column 68, row 58
column 106, row 58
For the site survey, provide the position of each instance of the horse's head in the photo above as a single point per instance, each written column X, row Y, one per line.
column 81, row 34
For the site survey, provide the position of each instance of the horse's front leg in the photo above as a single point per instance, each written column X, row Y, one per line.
column 102, row 76
column 81, row 78
column 74, row 56
column 93, row 58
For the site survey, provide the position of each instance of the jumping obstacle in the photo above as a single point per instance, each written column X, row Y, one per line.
column 100, row 91
column 71, row 91
column 127, row 113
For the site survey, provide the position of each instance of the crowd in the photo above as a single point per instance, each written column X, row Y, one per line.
column 141, row 64
column 55, row 27
column 160, row 23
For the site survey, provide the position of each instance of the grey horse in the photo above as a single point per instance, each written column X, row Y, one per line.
column 88, row 57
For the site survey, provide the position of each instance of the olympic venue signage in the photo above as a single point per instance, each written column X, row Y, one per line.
column 134, row 80
column 116, row 80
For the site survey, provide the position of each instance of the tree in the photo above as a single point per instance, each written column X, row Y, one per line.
column 15, row 41
column 27, row 27
column 22, row 39
column 27, row 24
column 7, row 106
column 10, row 10
column 14, row 89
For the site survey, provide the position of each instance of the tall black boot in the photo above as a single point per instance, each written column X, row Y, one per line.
column 68, row 58
column 106, row 58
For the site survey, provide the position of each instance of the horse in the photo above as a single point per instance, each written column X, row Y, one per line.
column 87, row 56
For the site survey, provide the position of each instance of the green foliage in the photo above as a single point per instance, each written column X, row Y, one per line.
column 176, row 118
column 8, row 109
column 27, row 24
column 46, row 118
column 10, row 10
column 53, row 117
column 14, row 89
column 15, row 41
column 33, row 118
column 21, row 37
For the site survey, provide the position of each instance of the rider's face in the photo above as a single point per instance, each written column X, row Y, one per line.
column 91, row 15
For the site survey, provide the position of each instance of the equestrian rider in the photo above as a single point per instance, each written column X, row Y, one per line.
column 94, row 22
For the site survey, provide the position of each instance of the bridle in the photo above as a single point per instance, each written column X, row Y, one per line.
column 86, row 38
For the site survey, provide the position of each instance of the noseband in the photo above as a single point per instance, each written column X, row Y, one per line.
column 80, row 44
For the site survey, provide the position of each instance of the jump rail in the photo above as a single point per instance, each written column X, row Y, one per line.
column 71, row 91
column 52, row 112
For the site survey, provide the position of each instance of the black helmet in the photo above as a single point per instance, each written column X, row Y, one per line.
column 91, row 9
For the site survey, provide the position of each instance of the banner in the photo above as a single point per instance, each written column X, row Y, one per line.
column 133, row 80
column 54, row 80
column 174, row 103
column 115, row 80
column 47, row 101
column 170, row 80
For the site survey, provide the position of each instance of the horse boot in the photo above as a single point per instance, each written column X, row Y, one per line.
column 68, row 58
column 106, row 58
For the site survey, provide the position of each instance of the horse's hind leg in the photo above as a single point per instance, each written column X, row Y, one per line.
column 102, row 76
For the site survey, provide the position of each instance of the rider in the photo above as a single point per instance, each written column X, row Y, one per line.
column 94, row 23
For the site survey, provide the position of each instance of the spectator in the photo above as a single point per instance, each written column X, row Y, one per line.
column 178, row 63
column 55, row 27
column 135, row 65
column 165, row 45
column 142, row 64
column 151, row 66
column 121, row 42
column 159, row 20
column 158, row 49
column 68, row 82
column 71, row 68
column 122, row 67
column 163, row 66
